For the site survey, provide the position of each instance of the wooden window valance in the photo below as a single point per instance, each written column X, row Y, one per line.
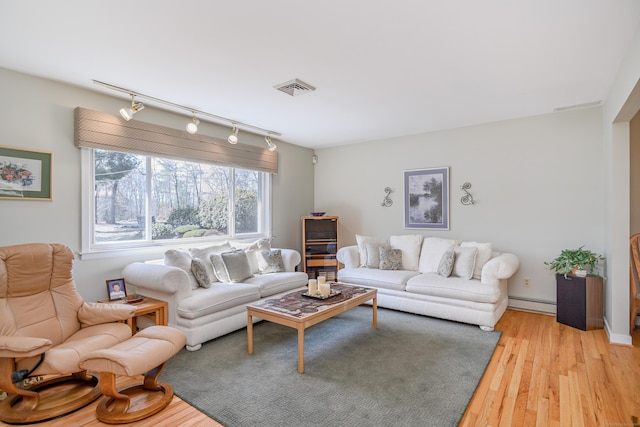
column 94, row 129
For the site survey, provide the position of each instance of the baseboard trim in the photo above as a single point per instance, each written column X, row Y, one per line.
column 617, row 338
column 532, row 305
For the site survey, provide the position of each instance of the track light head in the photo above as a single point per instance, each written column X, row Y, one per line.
column 192, row 126
column 233, row 138
column 270, row 145
column 127, row 113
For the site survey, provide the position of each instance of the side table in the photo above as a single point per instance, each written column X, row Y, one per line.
column 148, row 306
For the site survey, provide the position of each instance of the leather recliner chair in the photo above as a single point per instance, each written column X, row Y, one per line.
column 45, row 330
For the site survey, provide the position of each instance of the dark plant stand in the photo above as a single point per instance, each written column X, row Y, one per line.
column 580, row 301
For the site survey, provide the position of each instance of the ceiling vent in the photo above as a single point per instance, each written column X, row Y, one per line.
column 295, row 87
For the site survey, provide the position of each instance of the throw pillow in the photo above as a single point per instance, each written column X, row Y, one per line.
column 182, row 260
column 204, row 255
column 390, row 259
column 410, row 247
column 445, row 268
column 372, row 251
column 232, row 266
column 200, row 272
column 431, row 253
column 270, row 261
column 485, row 251
column 252, row 250
column 465, row 261
column 362, row 250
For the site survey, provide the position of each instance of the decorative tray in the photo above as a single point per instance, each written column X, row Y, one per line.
column 132, row 299
column 318, row 296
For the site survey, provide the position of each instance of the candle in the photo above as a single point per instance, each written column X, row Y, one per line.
column 313, row 286
column 322, row 280
column 325, row 289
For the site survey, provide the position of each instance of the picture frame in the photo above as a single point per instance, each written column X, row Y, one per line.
column 426, row 198
column 25, row 174
column 116, row 289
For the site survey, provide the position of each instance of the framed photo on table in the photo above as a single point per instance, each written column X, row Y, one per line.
column 25, row 174
column 426, row 198
column 116, row 289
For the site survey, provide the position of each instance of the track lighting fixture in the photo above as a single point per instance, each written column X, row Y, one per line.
column 233, row 138
column 192, row 126
column 271, row 145
column 127, row 113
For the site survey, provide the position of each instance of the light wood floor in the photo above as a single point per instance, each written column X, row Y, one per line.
column 541, row 374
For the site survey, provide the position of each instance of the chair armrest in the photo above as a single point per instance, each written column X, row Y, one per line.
column 15, row 346
column 499, row 267
column 349, row 256
column 291, row 258
column 93, row 313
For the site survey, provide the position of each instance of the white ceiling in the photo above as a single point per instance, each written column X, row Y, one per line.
column 382, row 69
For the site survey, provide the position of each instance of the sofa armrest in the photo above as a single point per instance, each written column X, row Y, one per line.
column 349, row 256
column 291, row 258
column 93, row 313
column 499, row 268
column 162, row 282
column 17, row 346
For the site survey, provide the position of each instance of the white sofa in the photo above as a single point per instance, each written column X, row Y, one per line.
column 204, row 313
column 475, row 292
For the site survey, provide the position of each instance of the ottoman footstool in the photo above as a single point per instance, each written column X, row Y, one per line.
column 144, row 353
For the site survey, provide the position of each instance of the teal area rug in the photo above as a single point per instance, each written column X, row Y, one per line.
column 412, row 371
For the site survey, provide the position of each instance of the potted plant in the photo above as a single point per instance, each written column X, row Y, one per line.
column 576, row 262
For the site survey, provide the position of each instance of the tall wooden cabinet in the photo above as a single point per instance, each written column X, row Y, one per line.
column 319, row 246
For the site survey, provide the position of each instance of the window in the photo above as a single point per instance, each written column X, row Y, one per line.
column 135, row 201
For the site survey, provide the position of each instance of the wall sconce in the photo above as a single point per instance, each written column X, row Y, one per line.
column 386, row 202
column 467, row 199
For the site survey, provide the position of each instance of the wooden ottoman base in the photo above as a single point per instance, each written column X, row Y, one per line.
column 133, row 403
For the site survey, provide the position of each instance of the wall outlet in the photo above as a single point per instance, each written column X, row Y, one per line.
column 527, row 282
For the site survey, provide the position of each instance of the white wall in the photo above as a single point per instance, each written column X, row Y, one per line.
column 538, row 183
column 634, row 138
column 38, row 114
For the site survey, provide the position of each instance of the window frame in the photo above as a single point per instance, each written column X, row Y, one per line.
column 92, row 250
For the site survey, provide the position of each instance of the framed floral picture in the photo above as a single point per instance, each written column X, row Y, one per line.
column 426, row 198
column 25, row 174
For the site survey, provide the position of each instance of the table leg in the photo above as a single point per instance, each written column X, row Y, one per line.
column 375, row 312
column 249, row 334
column 301, row 349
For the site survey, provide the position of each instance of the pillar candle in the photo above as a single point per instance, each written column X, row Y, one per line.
column 325, row 289
column 313, row 286
column 322, row 280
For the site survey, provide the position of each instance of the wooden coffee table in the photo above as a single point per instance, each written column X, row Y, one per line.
column 300, row 312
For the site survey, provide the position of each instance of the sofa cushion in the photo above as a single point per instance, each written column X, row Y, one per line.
column 263, row 244
column 220, row 296
column 453, row 287
column 205, row 253
column 409, row 244
column 372, row 251
column 231, row 266
column 445, row 268
column 465, row 261
column 485, row 250
column 270, row 261
column 271, row 284
column 390, row 259
column 431, row 253
column 362, row 241
column 200, row 272
column 387, row 279
column 182, row 260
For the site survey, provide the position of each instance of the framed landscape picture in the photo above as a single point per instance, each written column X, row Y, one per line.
column 25, row 174
column 426, row 198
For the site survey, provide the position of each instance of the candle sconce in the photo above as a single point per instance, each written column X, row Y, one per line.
column 467, row 199
column 386, row 202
